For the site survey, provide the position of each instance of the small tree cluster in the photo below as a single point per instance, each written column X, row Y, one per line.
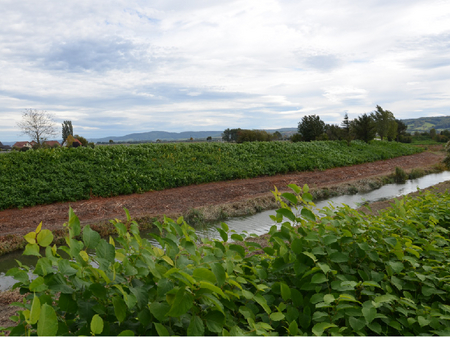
column 364, row 127
column 244, row 135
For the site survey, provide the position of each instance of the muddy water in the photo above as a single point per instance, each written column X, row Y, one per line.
column 260, row 223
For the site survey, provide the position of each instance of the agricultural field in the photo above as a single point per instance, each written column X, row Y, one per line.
column 69, row 174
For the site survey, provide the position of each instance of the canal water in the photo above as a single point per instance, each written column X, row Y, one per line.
column 260, row 223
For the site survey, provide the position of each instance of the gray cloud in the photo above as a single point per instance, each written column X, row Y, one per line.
column 94, row 54
column 322, row 62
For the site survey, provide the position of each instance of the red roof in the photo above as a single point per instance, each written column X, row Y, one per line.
column 52, row 143
column 22, row 144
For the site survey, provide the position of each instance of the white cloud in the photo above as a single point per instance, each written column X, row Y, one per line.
column 124, row 66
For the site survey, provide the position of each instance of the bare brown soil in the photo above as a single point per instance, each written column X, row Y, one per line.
column 180, row 200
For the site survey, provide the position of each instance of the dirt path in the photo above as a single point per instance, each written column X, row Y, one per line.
column 182, row 199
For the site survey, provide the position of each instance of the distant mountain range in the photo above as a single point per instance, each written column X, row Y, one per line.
column 425, row 124
column 171, row 136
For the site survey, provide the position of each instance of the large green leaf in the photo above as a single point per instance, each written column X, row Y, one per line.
column 32, row 249
column 290, row 197
column 44, row 238
column 356, row 323
column 120, row 308
column 204, row 274
column 90, row 237
column 319, row 278
column 106, row 251
column 219, row 272
column 319, row 328
column 308, row 215
column 262, row 302
column 338, row 257
column 196, row 327
column 369, row 311
column 277, row 316
column 159, row 310
column 212, row 287
column 48, row 322
column 96, row 325
column 35, row 310
column 74, row 224
column 286, row 213
column 239, row 249
column 293, row 328
column 182, row 303
column 214, row 321
column 161, row 329
column 285, row 291
column 38, row 285
column 19, row 275
column 223, row 234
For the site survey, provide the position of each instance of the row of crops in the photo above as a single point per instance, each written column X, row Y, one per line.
column 47, row 176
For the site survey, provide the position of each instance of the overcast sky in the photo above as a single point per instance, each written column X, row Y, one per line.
column 118, row 67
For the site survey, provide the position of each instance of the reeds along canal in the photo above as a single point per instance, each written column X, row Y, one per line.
column 260, row 223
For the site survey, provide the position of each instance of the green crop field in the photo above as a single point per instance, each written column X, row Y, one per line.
column 70, row 174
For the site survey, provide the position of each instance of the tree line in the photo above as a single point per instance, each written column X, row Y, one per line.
column 244, row 135
column 365, row 127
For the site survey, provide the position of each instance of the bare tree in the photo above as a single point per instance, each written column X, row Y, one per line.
column 37, row 124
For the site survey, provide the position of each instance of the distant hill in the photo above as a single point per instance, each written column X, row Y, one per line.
column 425, row 124
column 173, row 136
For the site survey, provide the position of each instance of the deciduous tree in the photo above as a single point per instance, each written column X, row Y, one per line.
column 385, row 123
column 37, row 124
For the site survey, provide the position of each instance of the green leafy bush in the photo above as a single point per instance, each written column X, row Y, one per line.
column 69, row 174
column 400, row 175
column 344, row 273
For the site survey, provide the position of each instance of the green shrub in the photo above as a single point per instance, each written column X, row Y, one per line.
column 400, row 175
column 344, row 273
column 416, row 173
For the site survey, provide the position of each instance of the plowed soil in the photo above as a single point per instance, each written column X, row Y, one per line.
column 179, row 200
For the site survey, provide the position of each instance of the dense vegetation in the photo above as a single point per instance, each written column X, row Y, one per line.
column 344, row 273
column 69, row 174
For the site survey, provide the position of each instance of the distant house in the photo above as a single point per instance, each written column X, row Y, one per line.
column 75, row 143
column 4, row 147
column 52, row 143
column 20, row 145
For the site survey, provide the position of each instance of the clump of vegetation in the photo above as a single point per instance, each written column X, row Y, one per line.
column 342, row 273
column 400, row 176
column 194, row 217
column 68, row 174
column 446, row 161
column 416, row 173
